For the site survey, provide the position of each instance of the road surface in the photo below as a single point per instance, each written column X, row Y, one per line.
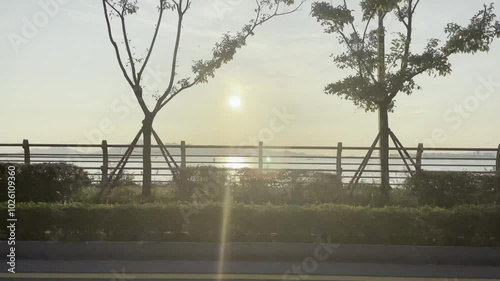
column 27, row 270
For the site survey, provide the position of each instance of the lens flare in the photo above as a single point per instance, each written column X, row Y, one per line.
column 226, row 212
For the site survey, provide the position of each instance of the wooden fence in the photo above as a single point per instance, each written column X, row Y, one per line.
column 99, row 159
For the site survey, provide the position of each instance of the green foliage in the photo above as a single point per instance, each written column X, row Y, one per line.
column 86, row 194
column 208, row 183
column 125, row 194
column 202, row 183
column 224, row 51
column 44, row 182
column 477, row 36
column 460, row 226
column 205, row 184
column 334, row 19
column 287, row 187
column 386, row 6
column 126, row 179
column 446, row 189
column 257, row 187
column 314, row 187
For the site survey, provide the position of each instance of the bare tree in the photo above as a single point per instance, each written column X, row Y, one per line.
column 133, row 69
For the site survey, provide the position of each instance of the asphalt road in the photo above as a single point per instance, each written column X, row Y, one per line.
column 207, row 270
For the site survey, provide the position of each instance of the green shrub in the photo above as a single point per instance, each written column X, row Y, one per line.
column 126, row 179
column 247, row 185
column 202, row 183
column 124, row 195
column 448, row 189
column 45, row 182
column 459, row 226
column 253, row 186
column 208, row 183
column 308, row 187
column 86, row 194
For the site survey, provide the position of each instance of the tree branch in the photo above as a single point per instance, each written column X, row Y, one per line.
column 415, row 6
column 360, row 64
column 135, row 87
column 127, row 45
column 153, row 41
column 355, row 31
column 115, row 46
column 402, row 19
column 140, row 99
column 276, row 14
column 406, row 55
column 180, row 13
column 366, row 27
column 177, row 92
column 226, row 52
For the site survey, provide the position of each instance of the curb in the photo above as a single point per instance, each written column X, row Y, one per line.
column 35, row 250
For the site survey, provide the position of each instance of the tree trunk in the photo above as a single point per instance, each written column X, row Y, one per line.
column 383, row 113
column 147, row 129
column 384, row 151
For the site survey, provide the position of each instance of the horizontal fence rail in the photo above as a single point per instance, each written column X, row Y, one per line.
column 99, row 159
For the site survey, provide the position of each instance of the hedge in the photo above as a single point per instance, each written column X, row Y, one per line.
column 459, row 226
column 44, row 182
column 446, row 189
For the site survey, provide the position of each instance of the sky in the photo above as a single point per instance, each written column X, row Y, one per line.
column 60, row 81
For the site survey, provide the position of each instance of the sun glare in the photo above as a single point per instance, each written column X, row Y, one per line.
column 235, row 102
column 235, row 163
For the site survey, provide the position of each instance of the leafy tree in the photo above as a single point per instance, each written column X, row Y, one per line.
column 133, row 67
column 380, row 75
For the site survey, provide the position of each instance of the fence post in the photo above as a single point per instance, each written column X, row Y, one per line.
column 261, row 156
column 27, row 155
column 105, row 162
column 498, row 161
column 338, row 160
column 183, row 154
column 497, row 169
column 420, row 151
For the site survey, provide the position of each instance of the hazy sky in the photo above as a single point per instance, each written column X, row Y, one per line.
column 60, row 81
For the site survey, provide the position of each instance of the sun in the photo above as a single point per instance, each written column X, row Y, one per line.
column 235, row 102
